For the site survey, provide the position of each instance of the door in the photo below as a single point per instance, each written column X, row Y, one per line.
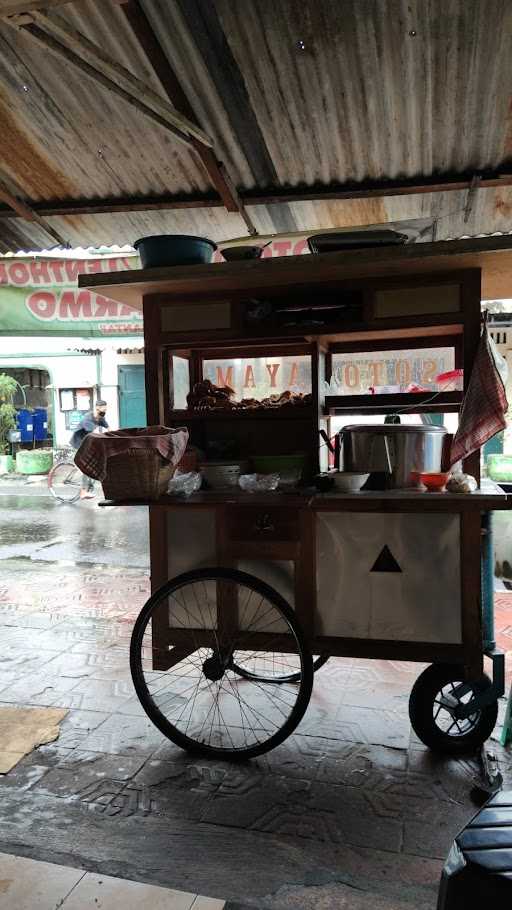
column 132, row 396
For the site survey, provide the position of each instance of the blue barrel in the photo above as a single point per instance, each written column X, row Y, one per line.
column 40, row 424
column 25, row 422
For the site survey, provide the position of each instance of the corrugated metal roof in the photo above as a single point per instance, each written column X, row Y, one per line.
column 295, row 93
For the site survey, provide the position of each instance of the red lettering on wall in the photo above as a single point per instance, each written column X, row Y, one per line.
column 3, row 274
column 93, row 265
column 300, row 247
column 272, row 372
column 42, row 304
column 224, row 380
column 249, row 382
column 73, row 268
column 40, row 273
column 19, row 273
column 103, row 306
column 127, row 310
column 281, row 247
column 57, row 270
column 75, row 305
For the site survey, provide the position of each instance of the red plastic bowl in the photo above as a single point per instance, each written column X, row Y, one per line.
column 434, row 482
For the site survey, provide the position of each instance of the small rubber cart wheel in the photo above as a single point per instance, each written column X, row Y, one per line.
column 435, row 724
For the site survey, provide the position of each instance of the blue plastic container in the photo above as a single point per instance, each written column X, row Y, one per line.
column 40, row 424
column 25, row 423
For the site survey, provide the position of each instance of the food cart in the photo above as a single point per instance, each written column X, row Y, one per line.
column 254, row 591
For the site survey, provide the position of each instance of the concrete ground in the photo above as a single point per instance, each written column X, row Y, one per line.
column 352, row 811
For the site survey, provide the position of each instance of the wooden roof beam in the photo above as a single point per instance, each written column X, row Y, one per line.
column 20, row 208
column 66, row 43
column 148, row 41
column 363, row 190
column 16, row 7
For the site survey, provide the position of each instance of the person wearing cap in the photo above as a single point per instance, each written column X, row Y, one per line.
column 92, row 422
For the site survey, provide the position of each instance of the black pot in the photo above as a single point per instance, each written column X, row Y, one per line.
column 174, row 249
column 353, row 240
column 240, row 253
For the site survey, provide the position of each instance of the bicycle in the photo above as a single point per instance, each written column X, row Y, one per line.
column 65, row 479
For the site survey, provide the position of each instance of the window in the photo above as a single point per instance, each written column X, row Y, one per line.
column 390, row 371
column 180, row 382
column 259, row 377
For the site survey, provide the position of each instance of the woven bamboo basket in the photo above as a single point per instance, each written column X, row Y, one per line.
column 137, row 474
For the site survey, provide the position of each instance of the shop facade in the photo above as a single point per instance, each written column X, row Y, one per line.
column 66, row 348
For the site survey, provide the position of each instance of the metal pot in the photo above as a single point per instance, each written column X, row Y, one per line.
column 402, row 452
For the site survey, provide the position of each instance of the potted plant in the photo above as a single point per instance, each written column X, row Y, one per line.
column 8, row 387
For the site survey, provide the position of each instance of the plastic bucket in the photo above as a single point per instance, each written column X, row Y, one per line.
column 38, row 461
column 499, row 468
column 6, row 464
column 174, row 249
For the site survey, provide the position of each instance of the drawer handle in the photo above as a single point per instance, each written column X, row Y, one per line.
column 264, row 524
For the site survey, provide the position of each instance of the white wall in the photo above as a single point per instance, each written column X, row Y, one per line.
column 68, row 369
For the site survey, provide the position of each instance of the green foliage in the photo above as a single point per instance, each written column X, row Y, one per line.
column 8, row 388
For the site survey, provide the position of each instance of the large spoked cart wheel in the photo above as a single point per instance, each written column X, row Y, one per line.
column 200, row 650
column 282, row 674
column 449, row 715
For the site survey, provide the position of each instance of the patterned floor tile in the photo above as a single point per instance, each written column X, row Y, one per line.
column 352, row 793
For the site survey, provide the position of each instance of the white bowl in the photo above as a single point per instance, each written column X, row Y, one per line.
column 349, row 481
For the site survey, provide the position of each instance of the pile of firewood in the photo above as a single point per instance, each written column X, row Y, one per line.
column 205, row 396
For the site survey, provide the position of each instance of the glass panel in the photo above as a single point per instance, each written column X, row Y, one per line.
column 393, row 371
column 181, row 382
column 259, row 377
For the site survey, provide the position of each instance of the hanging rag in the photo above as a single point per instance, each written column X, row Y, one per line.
column 485, row 402
column 92, row 455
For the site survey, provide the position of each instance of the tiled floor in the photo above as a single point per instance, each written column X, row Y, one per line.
column 27, row 884
column 350, row 811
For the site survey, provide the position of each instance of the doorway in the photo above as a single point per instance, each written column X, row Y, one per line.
column 132, row 396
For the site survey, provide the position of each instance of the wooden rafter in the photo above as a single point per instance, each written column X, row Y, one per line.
column 15, row 7
column 471, row 197
column 68, row 44
column 18, row 207
column 363, row 190
column 147, row 39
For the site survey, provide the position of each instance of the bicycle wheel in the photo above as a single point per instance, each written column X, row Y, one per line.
column 184, row 646
column 64, row 481
column 283, row 674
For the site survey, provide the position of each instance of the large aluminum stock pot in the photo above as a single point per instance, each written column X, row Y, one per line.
column 400, row 451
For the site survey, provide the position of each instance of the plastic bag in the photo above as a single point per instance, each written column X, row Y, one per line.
column 185, row 484
column 461, row 483
column 258, row 483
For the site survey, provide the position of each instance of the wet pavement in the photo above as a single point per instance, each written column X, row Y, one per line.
column 35, row 526
column 350, row 811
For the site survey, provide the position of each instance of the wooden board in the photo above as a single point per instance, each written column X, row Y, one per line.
column 489, row 498
column 492, row 254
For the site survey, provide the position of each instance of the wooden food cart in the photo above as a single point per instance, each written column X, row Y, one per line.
column 250, row 588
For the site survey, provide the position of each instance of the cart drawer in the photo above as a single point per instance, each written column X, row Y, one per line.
column 260, row 523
